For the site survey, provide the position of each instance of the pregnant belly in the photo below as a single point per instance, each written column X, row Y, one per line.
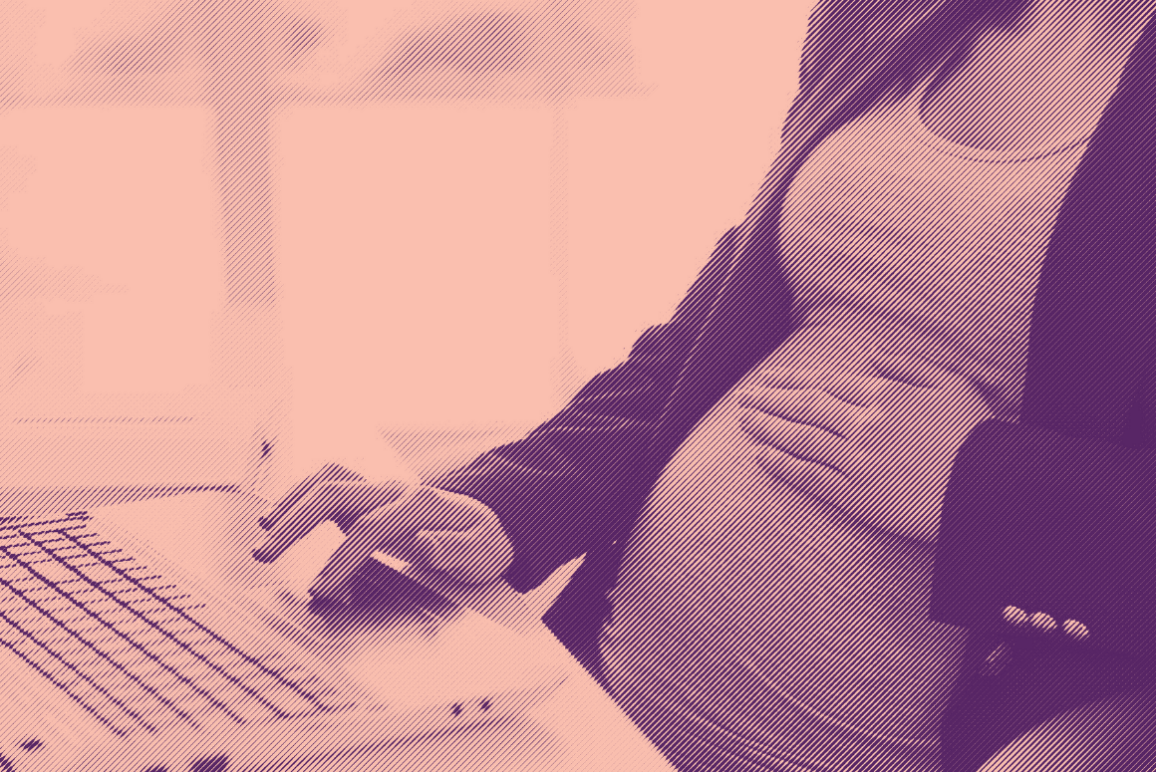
column 742, row 594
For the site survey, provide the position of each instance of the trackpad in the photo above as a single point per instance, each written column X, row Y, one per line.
column 407, row 644
column 397, row 637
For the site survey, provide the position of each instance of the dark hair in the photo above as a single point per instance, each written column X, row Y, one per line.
column 946, row 38
column 911, row 38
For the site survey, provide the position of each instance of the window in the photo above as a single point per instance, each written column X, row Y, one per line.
column 430, row 215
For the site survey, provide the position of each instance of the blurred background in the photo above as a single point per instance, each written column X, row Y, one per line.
column 424, row 220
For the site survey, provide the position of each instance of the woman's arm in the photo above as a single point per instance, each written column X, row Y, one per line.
column 557, row 490
column 1046, row 522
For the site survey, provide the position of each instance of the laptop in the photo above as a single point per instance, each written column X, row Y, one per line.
column 141, row 638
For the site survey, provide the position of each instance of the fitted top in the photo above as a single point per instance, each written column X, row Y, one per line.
column 891, row 227
column 749, row 616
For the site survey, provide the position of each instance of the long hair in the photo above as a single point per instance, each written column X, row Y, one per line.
column 881, row 49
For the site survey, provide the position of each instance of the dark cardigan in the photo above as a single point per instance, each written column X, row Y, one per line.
column 1051, row 513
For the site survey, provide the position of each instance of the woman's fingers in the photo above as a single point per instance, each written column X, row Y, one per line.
column 345, row 502
column 292, row 524
column 795, row 379
column 361, row 542
column 383, row 528
column 342, row 502
column 478, row 551
column 856, row 389
column 813, row 479
column 814, row 407
column 807, row 443
column 329, row 472
column 916, row 371
column 476, row 556
column 860, row 390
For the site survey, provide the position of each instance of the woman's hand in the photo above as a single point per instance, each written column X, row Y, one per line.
column 426, row 526
column 878, row 447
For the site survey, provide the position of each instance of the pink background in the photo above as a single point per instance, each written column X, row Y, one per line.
column 457, row 262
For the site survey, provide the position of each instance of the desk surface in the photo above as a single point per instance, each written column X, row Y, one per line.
column 578, row 729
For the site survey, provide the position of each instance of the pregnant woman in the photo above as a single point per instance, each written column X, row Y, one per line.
column 879, row 495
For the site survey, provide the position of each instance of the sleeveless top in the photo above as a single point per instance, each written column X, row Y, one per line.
column 754, row 628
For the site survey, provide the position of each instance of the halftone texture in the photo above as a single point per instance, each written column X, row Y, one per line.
column 575, row 483
column 754, row 626
column 244, row 61
column 1117, row 732
column 933, row 247
column 552, row 51
column 119, row 638
column 135, row 642
column 196, row 50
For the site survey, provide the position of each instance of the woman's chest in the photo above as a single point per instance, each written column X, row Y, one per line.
column 887, row 224
column 1008, row 103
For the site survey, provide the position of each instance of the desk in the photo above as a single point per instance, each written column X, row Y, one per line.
column 577, row 729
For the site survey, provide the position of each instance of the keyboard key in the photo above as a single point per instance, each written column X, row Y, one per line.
column 234, row 666
column 49, row 665
column 101, row 706
column 131, row 595
column 210, row 648
column 159, row 614
column 63, row 527
column 98, row 572
column 39, row 594
column 166, row 681
column 25, row 552
column 120, row 618
column 90, row 629
column 28, row 619
column 291, row 703
column 249, row 710
column 65, row 549
column 68, row 613
column 187, row 664
column 52, row 571
column 15, row 574
column 8, row 632
column 80, row 592
column 144, row 576
column 238, row 700
column 99, row 602
column 163, row 680
column 96, row 700
column 122, row 654
column 59, row 608
column 147, row 638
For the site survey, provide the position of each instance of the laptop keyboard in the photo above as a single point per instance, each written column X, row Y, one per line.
column 127, row 644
